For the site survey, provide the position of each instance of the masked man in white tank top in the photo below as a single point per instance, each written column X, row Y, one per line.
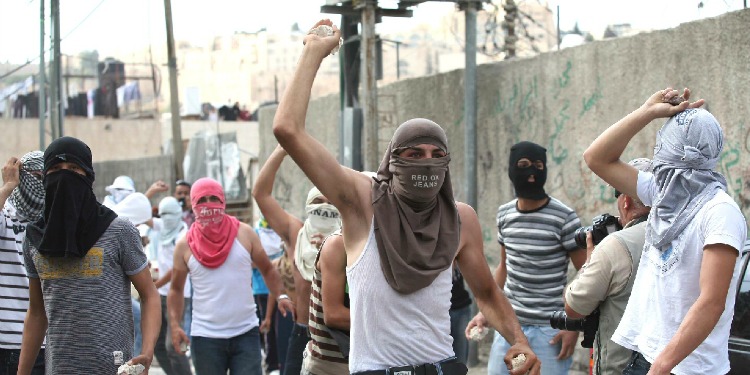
column 402, row 230
column 219, row 253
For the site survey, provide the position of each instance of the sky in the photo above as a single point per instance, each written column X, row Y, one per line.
column 112, row 26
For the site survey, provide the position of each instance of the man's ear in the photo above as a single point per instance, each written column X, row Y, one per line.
column 627, row 202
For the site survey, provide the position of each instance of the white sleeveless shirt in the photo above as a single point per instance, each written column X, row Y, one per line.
column 393, row 329
column 223, row 304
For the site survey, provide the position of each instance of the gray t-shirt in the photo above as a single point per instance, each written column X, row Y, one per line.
column 87, row 301
column 537, row 244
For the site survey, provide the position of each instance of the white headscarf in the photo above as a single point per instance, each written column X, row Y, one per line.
column 170, row 213
column 687, row 149
column 135, row 207
column 322, row 219
column 121, row 187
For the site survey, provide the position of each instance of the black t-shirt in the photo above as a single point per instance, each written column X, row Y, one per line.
column 460, row 297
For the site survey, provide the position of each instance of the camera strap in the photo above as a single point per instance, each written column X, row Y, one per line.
column 636, row 221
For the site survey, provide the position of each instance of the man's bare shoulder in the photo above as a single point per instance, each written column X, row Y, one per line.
column 466, row 213
column 182, row 248
column 247, row 236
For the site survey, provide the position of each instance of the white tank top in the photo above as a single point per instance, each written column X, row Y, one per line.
column 392, row 329
column 223, row 305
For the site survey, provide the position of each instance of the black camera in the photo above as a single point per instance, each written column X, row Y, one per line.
column 603, row 225
column 588, row 325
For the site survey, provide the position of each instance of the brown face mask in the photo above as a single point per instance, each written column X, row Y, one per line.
column 418, row 182
column 415, row 218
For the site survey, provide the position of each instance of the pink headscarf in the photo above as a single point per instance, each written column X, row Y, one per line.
column 213, row 233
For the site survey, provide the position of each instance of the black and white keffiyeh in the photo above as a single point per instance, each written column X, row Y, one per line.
column 28, row 196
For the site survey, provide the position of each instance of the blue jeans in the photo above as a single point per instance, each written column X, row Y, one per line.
column 9, row 362
column 138, row 336
column 284, row 327
column 187, row 315
column 637, row 365
column 172, row 362
column 459, row 320
column 240, row 354
column 539, row 337
column 297, row 343
column 269, row 339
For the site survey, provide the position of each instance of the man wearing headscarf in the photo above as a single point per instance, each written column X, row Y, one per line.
column 168, row 228
column 121, row 187
column 402, row 230
column 21, row 202
column 687, row 278
column 545, row 255
column 219, row 253
column 304, row 238
column 182, row 194
column 81, row 259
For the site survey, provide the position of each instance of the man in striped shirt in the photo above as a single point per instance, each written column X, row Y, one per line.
column 536, row 233
column 22, row 201
column 327, row 352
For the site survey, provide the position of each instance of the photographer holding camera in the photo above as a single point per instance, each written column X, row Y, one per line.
column 606, row 279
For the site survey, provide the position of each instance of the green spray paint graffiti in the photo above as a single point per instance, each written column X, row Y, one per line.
column 527, row 90
column 563, row 80
column 557, row 152
column 591, row 100
column 503, row 104
column 729, row 159
column 606, row 194
column 489, row 235
column 525, row 110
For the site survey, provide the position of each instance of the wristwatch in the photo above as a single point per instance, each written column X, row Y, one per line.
column 282, row 296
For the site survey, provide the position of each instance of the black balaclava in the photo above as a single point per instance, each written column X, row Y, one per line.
column 520, row 176
column 73, row 220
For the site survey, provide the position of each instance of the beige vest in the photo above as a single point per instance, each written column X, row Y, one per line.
column 611, row 358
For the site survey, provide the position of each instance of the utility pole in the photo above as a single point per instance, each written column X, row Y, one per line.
column 511, row 15
column 173, row 95
column 275, row 88
column 56, row 110
column 398, row 61
column 42, row 79
column 470, row 8
column 370, row 87
column 558, row 28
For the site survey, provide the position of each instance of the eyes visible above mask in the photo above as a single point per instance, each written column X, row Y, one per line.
column 422, row 151
column 37, row 174
column 210, row 198
column 526, row 163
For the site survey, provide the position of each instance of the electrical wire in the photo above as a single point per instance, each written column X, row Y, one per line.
column 29, row 61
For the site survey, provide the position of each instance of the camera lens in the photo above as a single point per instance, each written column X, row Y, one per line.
column 580, row 236
column 557, row 320
column 560, row 320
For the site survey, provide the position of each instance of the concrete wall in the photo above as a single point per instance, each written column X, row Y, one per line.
column 561, row 100
column 108, row 139
column 143, row 171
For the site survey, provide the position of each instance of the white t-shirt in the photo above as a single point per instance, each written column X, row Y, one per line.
column 667, row 285
column 165, row 257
